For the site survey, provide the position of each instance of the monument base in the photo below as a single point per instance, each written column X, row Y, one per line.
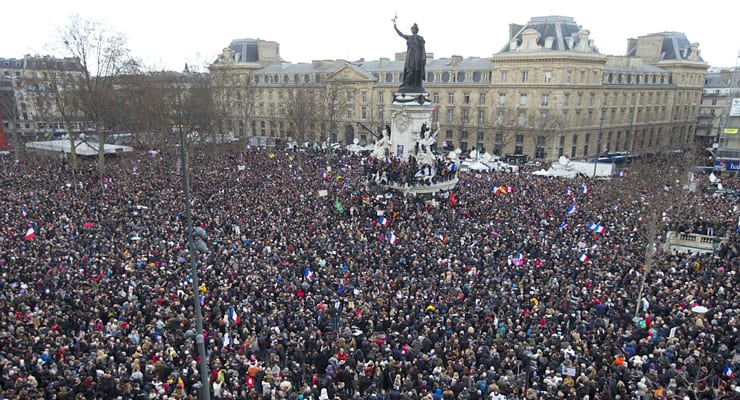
column 419, row 97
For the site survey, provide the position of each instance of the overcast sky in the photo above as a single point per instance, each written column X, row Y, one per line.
column 167, row 34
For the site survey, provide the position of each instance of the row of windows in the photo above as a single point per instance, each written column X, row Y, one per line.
column 483, row 77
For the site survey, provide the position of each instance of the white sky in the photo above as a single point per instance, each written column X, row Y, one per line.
column 166, row 34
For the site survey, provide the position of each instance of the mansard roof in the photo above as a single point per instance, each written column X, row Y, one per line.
column 675, row 46
column 554, row 33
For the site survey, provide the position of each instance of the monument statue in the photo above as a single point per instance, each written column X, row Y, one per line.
column 414, row 69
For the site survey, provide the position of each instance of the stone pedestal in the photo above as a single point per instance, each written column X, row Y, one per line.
column 409, row 111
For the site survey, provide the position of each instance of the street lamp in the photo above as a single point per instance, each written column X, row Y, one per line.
column 205, row 392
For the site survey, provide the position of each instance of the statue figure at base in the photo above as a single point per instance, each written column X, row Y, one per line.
column 414, row 69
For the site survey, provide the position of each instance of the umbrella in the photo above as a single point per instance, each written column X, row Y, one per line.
column 180, row 260
column 699, row 309
column 88, row 225
column 136, row 237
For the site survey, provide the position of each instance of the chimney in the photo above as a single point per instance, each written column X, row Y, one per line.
column 631, row 43
column 725, row 74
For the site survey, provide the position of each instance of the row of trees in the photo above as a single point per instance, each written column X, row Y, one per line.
column 99, row 87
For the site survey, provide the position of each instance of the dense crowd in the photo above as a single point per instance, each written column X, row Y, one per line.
column 512, row 286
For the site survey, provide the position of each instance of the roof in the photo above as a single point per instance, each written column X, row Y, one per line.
column 675, row 46
column 714, row 80
column 555, row 33
column 82, row 148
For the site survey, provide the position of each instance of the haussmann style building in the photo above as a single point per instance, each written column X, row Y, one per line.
column 547, row 92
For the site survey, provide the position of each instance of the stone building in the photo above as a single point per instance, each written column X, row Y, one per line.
column 547, row 92
column 26, row 101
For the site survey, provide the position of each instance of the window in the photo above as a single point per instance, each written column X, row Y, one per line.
column 461, row 76
column 539, row 151
column 388, row 77
column 430, row 77
column 482, row 99
column 476, row 76
column 519, row 145
column 381, row 113
column 561, row 144
column 479, row 141
column 585, row 144
column 545, row 100
column 573, row 145
column 435, row 97
column 498, row 143
column 502, row 99
column 466, row 98
column 523, row 99
column 548, row 76
column 464, row 140
column 450, row 114
column 363, row 94
column 445, row 77
column 525, row 76
column 450, row 98
column 583, row 76
column 349, row 96
column 500, row 117
column 481, row 116
column 568, row 76
column 364, row 112
column 465, row 115
column 380, row 97
column 504, row 76
column 521, row 119
column 543, row 119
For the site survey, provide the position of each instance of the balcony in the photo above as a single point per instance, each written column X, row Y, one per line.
column 677, row 242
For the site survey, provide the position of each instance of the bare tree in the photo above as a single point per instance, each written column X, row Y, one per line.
column 333, row 102
column 301, row 109
column 151, row 102
column 103, row 56
column 55, row 96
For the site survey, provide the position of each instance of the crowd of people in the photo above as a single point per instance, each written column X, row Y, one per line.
column 511, row 286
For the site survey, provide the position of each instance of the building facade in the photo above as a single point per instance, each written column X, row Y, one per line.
column 26, row 96
column 547, row 93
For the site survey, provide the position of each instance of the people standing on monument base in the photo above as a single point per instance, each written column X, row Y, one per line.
column 486, row 298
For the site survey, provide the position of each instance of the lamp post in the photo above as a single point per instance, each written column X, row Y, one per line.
column 205, row 391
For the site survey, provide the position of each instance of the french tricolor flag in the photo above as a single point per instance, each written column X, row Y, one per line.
column 564, row 226
column 233, row 316
column 571, row 209
column 383, row 221
column 729, row 372
column 583, row 257
column 585, row 189
column 518, row 259
column 568, row 192
column 308, row 274
column 600, row 229
column 392, row 238
column 324, row 175
column 24, row 213
column 30, row 233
